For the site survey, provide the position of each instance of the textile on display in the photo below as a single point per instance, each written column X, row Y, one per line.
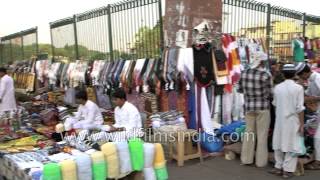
column 83, row 166
column 69, row 169
column 124, row 157
column 111, row 155
column 136, row 154
column 149, row 152
column 52, row 171
column 99, row 166
column 160, row 163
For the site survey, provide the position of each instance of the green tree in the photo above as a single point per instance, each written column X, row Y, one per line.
column 147, row 42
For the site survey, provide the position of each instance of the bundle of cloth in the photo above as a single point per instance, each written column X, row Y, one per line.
column 170, row 121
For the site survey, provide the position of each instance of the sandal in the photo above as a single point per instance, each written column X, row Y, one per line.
column 275, row 171
column 287, row 175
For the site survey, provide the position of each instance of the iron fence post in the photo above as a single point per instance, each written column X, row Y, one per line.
column 161, row 27
column 37, row 42
column 52, row 45
column 75, row 37
column 304, row 24
column 110, row 33
column 11, row 54
column 268, row 29
column 22, row 48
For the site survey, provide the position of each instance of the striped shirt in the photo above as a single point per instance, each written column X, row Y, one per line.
column 256, row 85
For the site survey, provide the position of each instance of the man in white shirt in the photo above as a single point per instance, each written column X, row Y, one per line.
column 128, row 122
column 7, row 92
column 88, row 116
column 289, row 126
column 312, row 95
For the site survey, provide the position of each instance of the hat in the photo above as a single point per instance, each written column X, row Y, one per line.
column 258, row 58
column 299, row 67
column 289, row 67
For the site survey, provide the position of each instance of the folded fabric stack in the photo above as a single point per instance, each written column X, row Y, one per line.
column 312, row 120
column 170, row 121
column 63, row 113
column 115, row 160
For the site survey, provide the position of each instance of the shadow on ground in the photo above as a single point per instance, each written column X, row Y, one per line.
column 220, row 169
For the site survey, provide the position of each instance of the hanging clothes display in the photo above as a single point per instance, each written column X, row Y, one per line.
column 298, row 50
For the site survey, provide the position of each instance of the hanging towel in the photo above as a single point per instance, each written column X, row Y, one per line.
column 83, row 166
column 69, row 170
column 159, row 160
column 124, row 157
column 136, row 154
column 110, row 154
column 99, row 166
column 52, row 171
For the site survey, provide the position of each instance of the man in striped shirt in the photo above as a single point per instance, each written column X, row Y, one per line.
column 256, row 85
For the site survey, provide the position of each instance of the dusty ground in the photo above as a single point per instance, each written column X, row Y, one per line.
column 220, row 169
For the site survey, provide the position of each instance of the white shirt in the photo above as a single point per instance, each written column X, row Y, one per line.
column 289, row 100
column 127, row 116
column 7, row 94
column 314, row 85
column 90, row 113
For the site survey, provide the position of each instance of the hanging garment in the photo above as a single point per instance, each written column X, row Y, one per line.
column 172, row 67
column 147, row 75
column 143, row 74
column 221, row 74
column 185, row 65
column 96, row 72
column 203, row 112
column 53, row 73
column 192, row 108
column 243, row 52
column 116, row 79
column 69, row 170
column 217, row 109
column 289, row 101
column 111, row 156
column 298, row 50
column 112, row 72
column 203, row 65
column 103, row 100
column 124, row 71
column 70, row 97
column 99, row 166
column 124, row 157
column 227, row 108
column 137, row 72
column 165, row 68
column 7, row 94
column 237, row 105
column 129, row 76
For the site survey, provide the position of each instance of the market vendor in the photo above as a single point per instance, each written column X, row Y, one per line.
column 88, row 115
column 7, row 92
column 312, row 95
column 128, row 121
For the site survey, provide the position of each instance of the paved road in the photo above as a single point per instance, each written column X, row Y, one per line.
column 220, row 169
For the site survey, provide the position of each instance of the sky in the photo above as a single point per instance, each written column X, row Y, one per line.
column 17, row 15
